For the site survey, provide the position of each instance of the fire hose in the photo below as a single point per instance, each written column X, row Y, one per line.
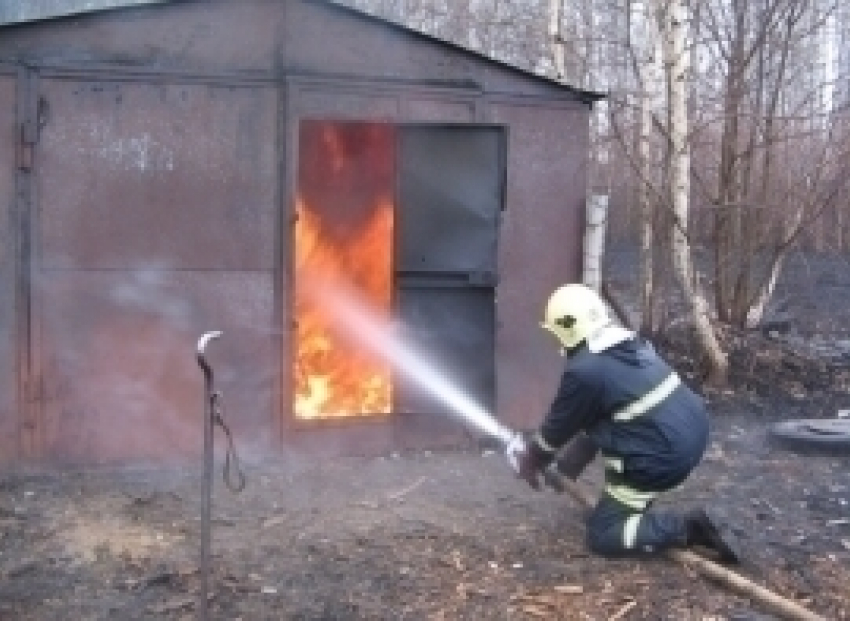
column 788, row 609
column 234, row 478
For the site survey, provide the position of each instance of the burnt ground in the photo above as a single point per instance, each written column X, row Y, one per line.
column 452, row 535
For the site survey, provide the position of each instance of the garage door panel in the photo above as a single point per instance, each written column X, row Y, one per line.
column 155, row 223
column 180, row 176
column 121, row 379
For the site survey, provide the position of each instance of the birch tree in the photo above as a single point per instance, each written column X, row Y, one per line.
column 645, row 51
column 672, row 21
column 556, row 39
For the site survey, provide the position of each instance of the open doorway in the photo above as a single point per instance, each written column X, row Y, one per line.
column 406, row 217
column 345, row 209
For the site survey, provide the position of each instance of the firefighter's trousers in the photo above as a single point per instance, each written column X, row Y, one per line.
column 625, row 523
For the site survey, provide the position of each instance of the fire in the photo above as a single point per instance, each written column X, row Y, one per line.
column 333, row 377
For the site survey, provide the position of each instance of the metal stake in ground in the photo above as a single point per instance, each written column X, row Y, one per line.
column 233, row 476
column 206, row 481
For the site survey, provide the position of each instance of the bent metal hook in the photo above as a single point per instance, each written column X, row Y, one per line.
column 212, row 417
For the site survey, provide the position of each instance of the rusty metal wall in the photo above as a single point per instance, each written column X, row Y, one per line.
column 164, row 176
column 219, row 36
column 179, row 176
column 540, row 246
column 8, row 287
column 158, row 206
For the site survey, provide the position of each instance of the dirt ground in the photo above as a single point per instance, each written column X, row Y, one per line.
column 450, row 535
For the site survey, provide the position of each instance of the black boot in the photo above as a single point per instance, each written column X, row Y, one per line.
column 707, row 531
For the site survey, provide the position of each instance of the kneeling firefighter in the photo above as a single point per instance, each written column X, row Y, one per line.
column 617, row 396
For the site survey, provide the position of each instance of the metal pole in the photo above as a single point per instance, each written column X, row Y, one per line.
column 206, row 482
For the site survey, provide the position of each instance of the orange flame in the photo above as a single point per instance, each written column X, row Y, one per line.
column 333, row 377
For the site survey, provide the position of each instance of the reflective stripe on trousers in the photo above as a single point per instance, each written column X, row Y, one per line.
column 613, row 529
column 615, row 464
column 634, row 499
column 630, row 530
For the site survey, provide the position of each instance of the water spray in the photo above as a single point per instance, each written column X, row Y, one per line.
column 380, row 337
column 383, row 340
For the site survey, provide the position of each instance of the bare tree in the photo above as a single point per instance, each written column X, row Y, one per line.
column 764, row 139
column 768, row 150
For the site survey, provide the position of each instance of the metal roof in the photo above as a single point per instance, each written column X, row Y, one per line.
column 16, row 12
column 585, row 95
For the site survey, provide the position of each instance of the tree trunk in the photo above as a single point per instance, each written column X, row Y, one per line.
column 556, row 38
column 651, row 77
column 647, row 212
column 755, row 313
column 594, row 240
column 673, row 27
column 727, row 233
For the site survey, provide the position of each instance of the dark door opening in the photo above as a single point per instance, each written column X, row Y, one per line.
column 406, row 216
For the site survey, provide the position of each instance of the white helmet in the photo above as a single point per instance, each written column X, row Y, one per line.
column 574, row 313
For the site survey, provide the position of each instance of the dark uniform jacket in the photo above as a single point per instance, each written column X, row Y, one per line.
column 614, row 397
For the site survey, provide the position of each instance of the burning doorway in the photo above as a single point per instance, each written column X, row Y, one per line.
column 343, row 237
column 407, row 216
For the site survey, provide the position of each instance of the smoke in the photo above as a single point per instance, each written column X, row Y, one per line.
column 121, row 383
column 146, row 292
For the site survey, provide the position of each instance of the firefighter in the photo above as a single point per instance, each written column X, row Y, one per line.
column 618, row 397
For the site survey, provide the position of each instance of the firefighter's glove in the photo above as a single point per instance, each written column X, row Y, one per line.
column 527, row 459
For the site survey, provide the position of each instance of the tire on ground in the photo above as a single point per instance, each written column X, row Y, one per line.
column 813, row 435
